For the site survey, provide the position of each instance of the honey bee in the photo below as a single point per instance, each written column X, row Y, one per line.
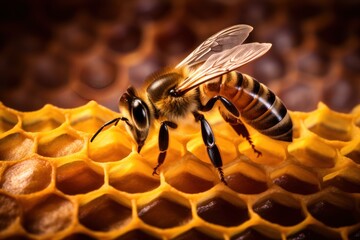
column 204, row 77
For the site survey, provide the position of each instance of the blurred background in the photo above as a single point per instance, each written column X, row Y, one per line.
column 69, row 52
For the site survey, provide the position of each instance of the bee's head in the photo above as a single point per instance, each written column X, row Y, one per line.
column 137, row 112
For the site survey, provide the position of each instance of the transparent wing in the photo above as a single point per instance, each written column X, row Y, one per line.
column 223, row 62
column 221, row 41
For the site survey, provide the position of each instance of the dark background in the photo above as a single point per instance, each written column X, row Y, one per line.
column 69, row 52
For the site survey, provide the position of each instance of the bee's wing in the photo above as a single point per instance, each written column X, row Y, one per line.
column 221, row 41
column 223, row 62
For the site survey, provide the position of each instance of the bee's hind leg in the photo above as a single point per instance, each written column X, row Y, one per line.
column 240, row 129
column 163, row 141
column 211, row 147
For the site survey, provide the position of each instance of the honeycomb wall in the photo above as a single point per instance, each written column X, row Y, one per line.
column 55, row 184
column 67, row 53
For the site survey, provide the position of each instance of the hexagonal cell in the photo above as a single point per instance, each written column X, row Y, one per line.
column 246, row 185
column 190, row 175
column 27, row 176
column 133, row 175
column 330, row 125
column 59, row 146
column 163, row 212
column 352, row 151
column 77, row 177
column 279, row 208
column 15, row 146
column 295, row 179
column 245, row 178
column 253, row 234
column 50, row 214
column 110, row 145
column 314, row 232
column 313, row 152
column 189, row 183
column 134, row 183
column 9, row 211
column 136, row 235
column 347, row 180
column 7, row 119
column 224, row 212
column 104, row 214
column 293, row 184
column 195, row 234
column 335, row 210
column 90, row 117
column 45, row 119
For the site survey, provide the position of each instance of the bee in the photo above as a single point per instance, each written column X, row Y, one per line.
column 205, row 77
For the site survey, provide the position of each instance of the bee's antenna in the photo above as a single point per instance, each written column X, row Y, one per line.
column 115, row 121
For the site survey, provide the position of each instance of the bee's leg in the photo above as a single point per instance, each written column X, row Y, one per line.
column 209, row 141
column 227, row 104
column 114, row 121
column 163, row 142
column 240, row 129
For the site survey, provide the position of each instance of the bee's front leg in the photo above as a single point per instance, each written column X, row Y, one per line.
column 211, row 147
column 163, row 141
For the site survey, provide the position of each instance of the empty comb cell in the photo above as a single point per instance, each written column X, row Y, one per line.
column 104, row 213
column 352, row 150
column 7, row 119
column 16, row 146
column 9, row 211
column 190, row 175
column 77, row 177
column 335, row 210
column 163, row 212
column 296, row 180
column 26, row 177
column 246, row 178
column 62, row 144
column 50, row 214
column 347, row 179
column 281, row 209
column 90, row 117
column 221, row 211
column 133, row 175
column 42, row 120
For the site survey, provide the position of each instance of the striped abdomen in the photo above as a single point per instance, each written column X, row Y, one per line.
column 258, row 105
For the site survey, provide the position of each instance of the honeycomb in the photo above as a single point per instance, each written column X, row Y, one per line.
column 55, row 184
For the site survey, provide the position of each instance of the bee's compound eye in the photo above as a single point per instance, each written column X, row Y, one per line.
column 139, row 114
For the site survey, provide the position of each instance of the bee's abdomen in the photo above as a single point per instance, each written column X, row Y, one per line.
column 259, row 106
